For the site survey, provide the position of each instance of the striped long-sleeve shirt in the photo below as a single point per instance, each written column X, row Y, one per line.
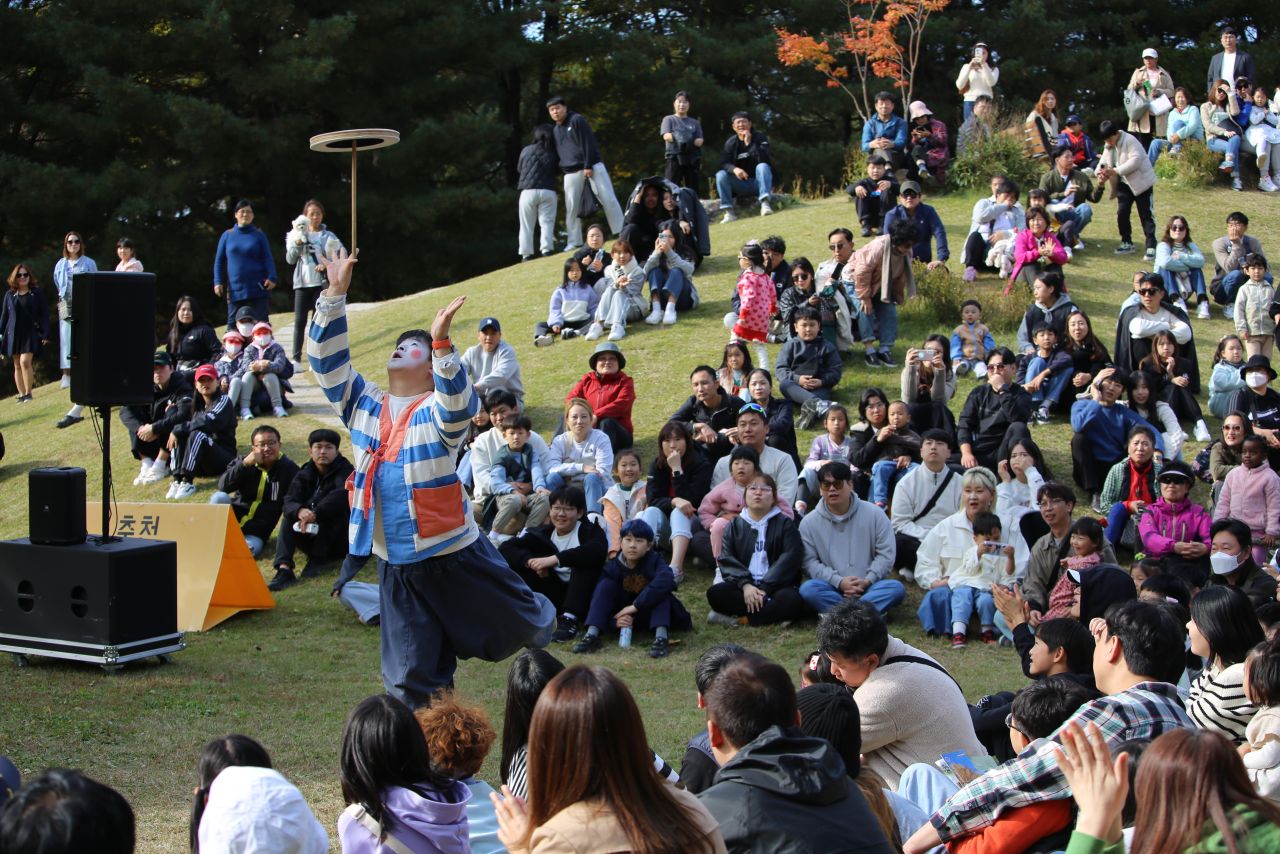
column 437, row 511
column 1216, row 701
column 1146, row 710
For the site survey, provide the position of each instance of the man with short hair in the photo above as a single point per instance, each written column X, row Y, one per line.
column 910, row 707
column 778, row 789
column 924, row 497
column 882, row 279
column 995, row 414
column 911, row 208
column 580, row 161
column 492, row 363
column 500, row 404
column 1101, row 431
column 149, row 426
column 977, row 128
column 314, row 517
column 709, row 412
column 886, row 132
column 255, row 486
column 698, row 770
column 1071, row 191
column 848, row 547
column 1139, row 648
column 1125, row 166
column 1230, row 63
column 753, row 429
column 1229, row 253
column 746, row 167
column 995, row 220
column 1056, row 502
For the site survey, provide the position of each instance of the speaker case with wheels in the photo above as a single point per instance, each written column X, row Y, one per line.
column 55, row 504
column 112, row 338
column 100, row 603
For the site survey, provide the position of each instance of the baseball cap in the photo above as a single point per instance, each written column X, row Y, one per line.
column 162, row 357
column 208, row 371
column 909, row 186
column 1150, row 53
column 490, row 321
column 1073, row 119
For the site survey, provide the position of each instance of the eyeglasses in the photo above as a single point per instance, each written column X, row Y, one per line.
column 270, row 443
column 800, row 277
column 1049, row 502
column 1147, row 292
column 752, row 407
column 994, row 366
column 1010, row 723
column 759, row 487
column 71, row 240
column 834, row 246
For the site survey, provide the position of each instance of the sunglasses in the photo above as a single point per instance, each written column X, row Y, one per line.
column 752, row 407
column 1177, row 228
column 1148, row 292
column 995, row 366
column 23, row 275
column 71, row 240
column 910, row 195
column 834, row 246
column 829, row 484
column 802, row 277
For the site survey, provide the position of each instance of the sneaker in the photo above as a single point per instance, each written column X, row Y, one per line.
column 715, row 618
column 573, row 248
column 618, row 332
column 1124, row 248
column 886, row 359
column 1202, row 311
column 1071, row 253
column 1237, row 184
column 544, row 341
column 866, row 231
column 1150, row 254
column 661, row 647
column 765, row 210
column 173, row 488
column 66, row 382
column 566, row 334
column 68, row 420
column 872, row 359
column 246, row 415
column 547, row 253
column 524, row 258
column 1202, row 432
column 1040, row 416
column 1266, row 185
column 970, row 274
column 908, row 575
column 958, row 641
column 594, row 331
column 729, row 216
column 142, row 472
column 1095, row 504
column 669, row 316
column 588, row 643
column 284, row 577
column 566, row 630
column 1229, row 311
column 1079, row 245
column 808, row 412
column 988, row 636
column 677, row 572
column 184, row 490
column 655, row 316
column 154, row 475
column 280, row 412
column 1226, row 165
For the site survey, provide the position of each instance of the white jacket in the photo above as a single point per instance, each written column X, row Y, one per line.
column 913, row 492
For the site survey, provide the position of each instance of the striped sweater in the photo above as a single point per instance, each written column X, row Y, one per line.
column 1217, row 702
column 425, row 446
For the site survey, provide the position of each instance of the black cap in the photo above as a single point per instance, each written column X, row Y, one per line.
column 1175, row 471
column 244, row 312
column 162, row 357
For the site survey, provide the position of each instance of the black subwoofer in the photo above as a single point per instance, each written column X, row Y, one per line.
column 56, row 505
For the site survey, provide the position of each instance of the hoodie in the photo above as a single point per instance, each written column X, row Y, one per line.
column 858, row 542
column 787, row 793
column 766, row 553
column 423, row 823
column 1253, row 497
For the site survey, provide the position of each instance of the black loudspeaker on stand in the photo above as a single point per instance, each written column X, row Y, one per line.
column 103, row 600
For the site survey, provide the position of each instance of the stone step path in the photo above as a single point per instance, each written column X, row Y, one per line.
column 307, row 397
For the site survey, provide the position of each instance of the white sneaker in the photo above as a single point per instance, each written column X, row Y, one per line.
column 618, row 332
column 246, row 414
column 1202, row 311
column 142, row 472
column 1071, row 253
column 544, row 341
column 184, row 490
column 669, row 316
column 655, row 316
column 729, row 216
column 594, row 332
column 765, row 207
column 908, row 575
column 155, row 474
column 1266, row 185
column 1202, row 432
column 66, row 382
column 173, row 489
column 280, row 412
column 1229, row 311
column 715, row 618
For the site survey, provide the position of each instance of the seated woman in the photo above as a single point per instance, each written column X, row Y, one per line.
column 928, row 384
column 830, row 302
column 1036, row 251
column 1184, row 124
column 735, row 366
column 561, row 559
column 1233, row 564
column 1088, row 355
column 943, row 549
column 1022, row 473
column 1051, row 307
column 1170, row 374
column 1159, row 414
column 1222, row 630
column 582, row 456
column 1181, row 264
column 641, row 219
column 725, row 501
column 759, row 586
column 873, row 416
column 610, row 393
column 669, row 271
column 778, row 411
column 1130, row 486
column 679, row 478
column 1042, row 126
column 1175, row 529
column 1226, row 453
column 1223, row 133
column 1141, row 321
column 593, row 256
column 206, row 444
column 927, row 145
column 192, row 342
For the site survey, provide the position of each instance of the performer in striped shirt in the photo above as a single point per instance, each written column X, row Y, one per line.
column 444, row 591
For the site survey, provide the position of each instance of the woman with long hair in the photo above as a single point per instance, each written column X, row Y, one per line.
column 873, row 415
column 592, row 784
column 191, row 341
column 306, row 246
column 526, row 678
column 24, row 327
column 1181, row 264
column 669, row 271
column 679, row 478
column 1223, row 628
column 72, row 262
column 1222, row 130
column 1088, row 354
column 1042, row 123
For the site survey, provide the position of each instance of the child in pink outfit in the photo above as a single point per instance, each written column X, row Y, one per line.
column 758, row 301
column 724, row 503
column 1251, row 493
column 1086, row 546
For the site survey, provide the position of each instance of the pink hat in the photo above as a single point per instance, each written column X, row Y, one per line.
column 260, row 327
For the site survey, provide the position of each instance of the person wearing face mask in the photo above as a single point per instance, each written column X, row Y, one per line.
column 444, row 590
column 228, row 364
column 1233, row 564
column 245, row 320
column 1260, row 404
column 263, row 365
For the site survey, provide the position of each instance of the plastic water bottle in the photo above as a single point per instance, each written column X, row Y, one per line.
column 624, row 638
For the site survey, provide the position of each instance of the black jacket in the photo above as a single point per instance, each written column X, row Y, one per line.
column 782, row 428
column 576, row 145
column 324, row 494
column 988, row 414
column 723, row 417
column 590, row 555
column 1253, row 582
column 218, row 421
column 783, row 548
column 1129, row 351
column 787, row 793
column 258, row 517
column 171, row 406
column 198, row 346
column 745, row 157
column 536, row 168
column 692, row 485
column 1243, row 68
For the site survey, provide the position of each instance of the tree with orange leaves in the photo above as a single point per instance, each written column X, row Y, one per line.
column 868, row 49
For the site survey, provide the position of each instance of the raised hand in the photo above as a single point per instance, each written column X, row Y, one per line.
column 339, row 267
column 444, row 318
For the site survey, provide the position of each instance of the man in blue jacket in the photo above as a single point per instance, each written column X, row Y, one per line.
column 886, row 132
column 1101, row 432
column 243, row 270
column 911, row 208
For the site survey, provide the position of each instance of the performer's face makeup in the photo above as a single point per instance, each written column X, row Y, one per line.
column 409, row 354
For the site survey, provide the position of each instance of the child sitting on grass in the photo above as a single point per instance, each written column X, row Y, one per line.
column 808, row 368
column 895, row 449
column 1251, row 493
column 835, row 444
column 971, row 341
column 988, row 562
column 621, row 292
column 1086, row 543
column 573, row 304
column 626, row 499
column 1048, row 373
column 517, row 483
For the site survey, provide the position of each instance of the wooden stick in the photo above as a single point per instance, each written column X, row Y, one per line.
column 353, row 196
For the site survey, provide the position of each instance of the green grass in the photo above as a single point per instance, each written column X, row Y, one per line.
column 289, row 676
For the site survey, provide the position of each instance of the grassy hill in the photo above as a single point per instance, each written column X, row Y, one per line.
column 290, row 676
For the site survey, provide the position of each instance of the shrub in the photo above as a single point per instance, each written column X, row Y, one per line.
column 1002, row 151
column 1193, row 167
column 939, row 295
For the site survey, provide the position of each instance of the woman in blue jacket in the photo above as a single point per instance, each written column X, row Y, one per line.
column 243, row 270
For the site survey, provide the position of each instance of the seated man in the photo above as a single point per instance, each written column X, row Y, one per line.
column 1100, row 432
column 315, row 511
column 891, row 678
column 753, row 430
column 875, row 195
column 746, row 168
column 256, row 486
column 848, row 547
column 977, row 128
column 709, row 412
column 1229, row 253
column 886, row 133
column 911, row 208
column 992, row 227
column 149, row 426
column 995, row 414
column 1153, row 314
column 698, row 770
column 500, row 405
column 924, row 497
column 777, row 788
column 1071, row 192
column 1057, row 502
column 1139, row 648
column 492, row 363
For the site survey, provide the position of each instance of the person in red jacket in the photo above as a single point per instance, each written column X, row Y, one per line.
column 610, row 392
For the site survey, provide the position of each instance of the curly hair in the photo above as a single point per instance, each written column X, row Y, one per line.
column 458, row 735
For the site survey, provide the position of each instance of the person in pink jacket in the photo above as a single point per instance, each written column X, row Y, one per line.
column 1176, row 529
column 1251, row 494
column 1035, row 250
column 722, row 504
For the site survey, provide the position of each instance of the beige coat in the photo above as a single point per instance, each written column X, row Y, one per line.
column 1164, row 86
column 871, row 273
column 591, row 828
column 1129, row 158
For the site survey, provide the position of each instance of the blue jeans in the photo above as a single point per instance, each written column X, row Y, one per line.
column 935, row 611
column 674, row 285
column 729, row 185
column 255, row 544
column 965, row 599
column 668, row 526
column 594, row 485
column 926, row 787
column 881, row 595
column 361, row 597
column 1229, row 147
column 1171, row 283
column 1117, row 518
column 968, row 110
column 884, row 475
column 1050, row 390
column 1081, row 215
column 881, row 324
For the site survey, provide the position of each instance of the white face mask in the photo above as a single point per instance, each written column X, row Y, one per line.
column 245, row 329
column 1255, row 379
column 409, row 353
column 1223, row 563
column 262, row 340
column 233, row 349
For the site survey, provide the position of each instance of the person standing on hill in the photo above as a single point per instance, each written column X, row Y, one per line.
column 243, row 270
column 683, row 137
column 580, row 161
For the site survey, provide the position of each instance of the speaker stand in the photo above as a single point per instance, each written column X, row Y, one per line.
column 104, row 412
